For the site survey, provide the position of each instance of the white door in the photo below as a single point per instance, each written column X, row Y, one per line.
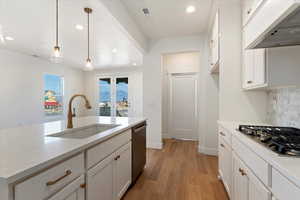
column 183, row 115
column 123, row 170
column 240, row 180
column 225, row 161
column 73, row 191
column 114, row 96
column 100, row 178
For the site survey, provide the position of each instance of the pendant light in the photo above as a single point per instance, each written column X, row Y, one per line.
column 88, row 65
column 57, row 49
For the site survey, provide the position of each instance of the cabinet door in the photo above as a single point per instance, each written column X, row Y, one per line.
column 100, row 180
column 225, row 165
column 240, row 181
column 122, row 170
column 256, row 189
column 215, row 42
column 259, row 65
column 248, row 68
column 73, row 191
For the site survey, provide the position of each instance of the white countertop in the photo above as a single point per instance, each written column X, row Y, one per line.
column 287, row 165
column 25, row 150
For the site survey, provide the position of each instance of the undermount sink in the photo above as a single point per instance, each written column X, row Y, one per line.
column 84, row 132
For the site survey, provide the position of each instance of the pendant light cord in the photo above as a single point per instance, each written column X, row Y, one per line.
column 57, row 23
column 88, row 35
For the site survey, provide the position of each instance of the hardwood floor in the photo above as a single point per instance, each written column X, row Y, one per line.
column 178, row 172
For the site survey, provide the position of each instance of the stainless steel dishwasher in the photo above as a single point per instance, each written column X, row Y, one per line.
column 138, row 150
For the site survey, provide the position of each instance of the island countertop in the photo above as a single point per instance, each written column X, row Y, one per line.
column 25, row 150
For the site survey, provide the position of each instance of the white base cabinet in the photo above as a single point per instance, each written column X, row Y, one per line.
column 74, row 191
column 225, row 164
column 110, row 179
column 245, row 184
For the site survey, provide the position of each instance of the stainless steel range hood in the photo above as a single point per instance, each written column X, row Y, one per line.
column 285, row 33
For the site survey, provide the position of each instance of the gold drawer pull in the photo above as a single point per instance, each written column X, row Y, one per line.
column 117, row 158
column 222, row 145
column 223, row 134
column 242, row 172
column 68, row 172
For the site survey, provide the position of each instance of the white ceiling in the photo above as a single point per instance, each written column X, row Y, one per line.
column 168, row 17
column 32, row 24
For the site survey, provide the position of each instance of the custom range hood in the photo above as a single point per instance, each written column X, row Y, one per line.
column 284, row 31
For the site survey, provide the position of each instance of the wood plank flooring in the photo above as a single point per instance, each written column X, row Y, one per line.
column 178, row 172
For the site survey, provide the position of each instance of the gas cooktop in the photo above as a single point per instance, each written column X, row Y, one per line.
column 282, row 140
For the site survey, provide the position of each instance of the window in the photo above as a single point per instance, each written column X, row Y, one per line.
column 53, row 95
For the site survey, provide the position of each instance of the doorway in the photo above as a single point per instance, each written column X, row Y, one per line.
column 180, row 95
column 114, row 96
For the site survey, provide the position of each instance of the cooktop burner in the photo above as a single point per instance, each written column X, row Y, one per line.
column 282, row 140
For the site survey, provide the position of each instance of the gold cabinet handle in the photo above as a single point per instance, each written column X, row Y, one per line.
column 223, row 134
column 249, row 82
column 83, row 185
column 243, row 173
column 249, row 11
column 222, row 145
column 68, row 172
column 116, row 158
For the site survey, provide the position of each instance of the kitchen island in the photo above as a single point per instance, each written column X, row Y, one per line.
column 37, row 163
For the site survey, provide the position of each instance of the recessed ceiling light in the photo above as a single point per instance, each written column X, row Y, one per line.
column 9, row 38
column 114, row 50
column 79, row 27
column 190, row 9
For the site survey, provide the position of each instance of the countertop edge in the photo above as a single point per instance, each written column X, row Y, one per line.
column 38, row 167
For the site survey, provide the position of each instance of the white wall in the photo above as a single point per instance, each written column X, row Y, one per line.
column 187, row 62
column 135, row 86
column 153, row 80
column 21, row 87
column 235, row 103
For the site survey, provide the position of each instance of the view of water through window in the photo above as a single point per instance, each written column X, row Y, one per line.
column 106, row 104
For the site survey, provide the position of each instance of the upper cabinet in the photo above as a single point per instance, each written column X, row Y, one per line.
column 214, row 46
column 249, row 8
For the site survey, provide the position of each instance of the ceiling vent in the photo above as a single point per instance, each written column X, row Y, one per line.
column 146, row 11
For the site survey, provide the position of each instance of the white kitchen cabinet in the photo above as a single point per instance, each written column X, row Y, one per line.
column 73, row 191
column 246, row 185
column 110, row 178
column 123, row 171
column 254, row 69
column 249, row 8
column 225, row 170
column 214, row 45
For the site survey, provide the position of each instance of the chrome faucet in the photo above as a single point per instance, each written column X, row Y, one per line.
column 70, row 114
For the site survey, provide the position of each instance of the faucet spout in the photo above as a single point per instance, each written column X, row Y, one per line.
column 70, row 114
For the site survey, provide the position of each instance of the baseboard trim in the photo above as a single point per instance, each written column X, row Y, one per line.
column 208, row 151
column 154, row 145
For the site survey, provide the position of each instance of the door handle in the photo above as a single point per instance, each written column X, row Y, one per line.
column 139, row 129
column 223, row 134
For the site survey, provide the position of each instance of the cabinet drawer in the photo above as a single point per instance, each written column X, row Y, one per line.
column 50, row 181
column 99, row 152
column 225, row 135
column 282, row 188
column 260, row 167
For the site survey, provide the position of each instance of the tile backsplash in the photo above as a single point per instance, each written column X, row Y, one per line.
column 284, row 107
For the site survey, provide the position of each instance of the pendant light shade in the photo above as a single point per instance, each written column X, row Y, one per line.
column 88, row 65
column 57, row 50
